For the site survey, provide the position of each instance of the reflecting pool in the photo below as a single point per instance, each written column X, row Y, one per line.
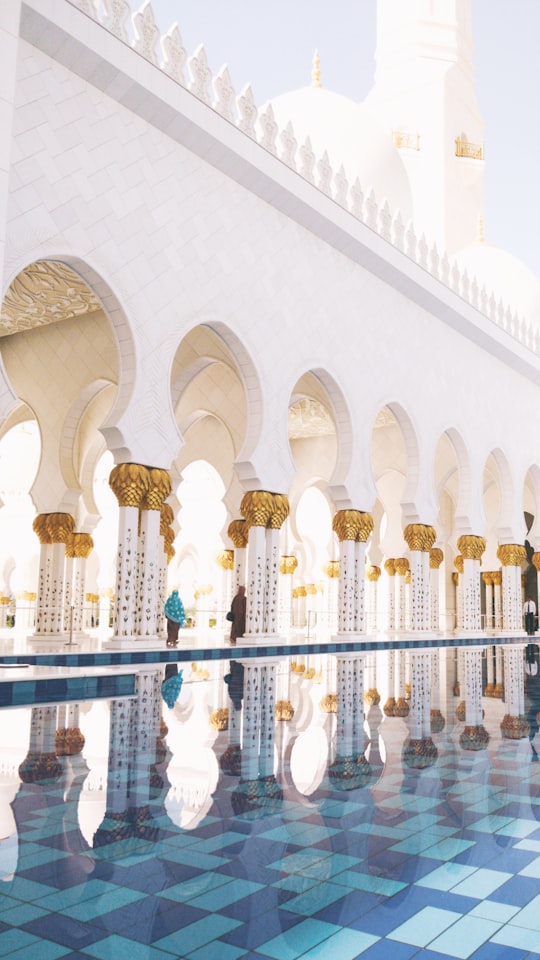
column 363, row 804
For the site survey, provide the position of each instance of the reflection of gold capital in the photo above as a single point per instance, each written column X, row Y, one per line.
column 328, row 703
column 284, row 710
column 287, row 564
column 352, row 525
column 470, row 547
column 373, row 573
column 419, row 536
column 238, row 531
column 225, row 559
column 390, row 567
column 130, row 483
column 332, row 569
column 219, row 719
column 402, row 565
column 436, row 557
column 511, row 554
column 158, row 490
column 257, row 507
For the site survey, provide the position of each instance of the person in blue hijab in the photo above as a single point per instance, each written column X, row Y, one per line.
column 176, row 618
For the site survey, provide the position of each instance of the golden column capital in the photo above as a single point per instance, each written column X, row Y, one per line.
column 390, row 567
column 408, row 576
column 352, row 525
column 436, row 557
column 301, row 592
column 238, row 531
column 167, row 515
column 59, row 526
column 373, row 573
column 536, row 560
column 331, row 569
column 455, row 578
column 402, row 565
column 419, row 536
column 79, row 546
column 311, row 589
column 471, row 547
column 287, row 564
column 511, row 554
column 158, row 490
column 458, row 563
column 225, row 559
column 257, row 507
column 130, row 483
column 487, row 577
column 39, row 526
column 280, row 511
column 497, row 578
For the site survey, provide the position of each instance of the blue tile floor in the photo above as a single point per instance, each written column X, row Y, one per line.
column 429, row 860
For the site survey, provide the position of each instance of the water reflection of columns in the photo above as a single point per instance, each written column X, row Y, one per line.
column 41, row 762
column 436, row 557
column 471, row 549
column 402, row 566
column 498, row 691
column 372, row 575
column 490, row 671
column 53, row 530
column 390, row 704
column 349, row 761
column 511, row 555
column 419, row 750
column 437, row 720
column 420, row 539
column 258, row 720
column 372, row 695
column 474, row 735
column 390, row 569
column 401, row 708
column 497, row 599
column 514, row 724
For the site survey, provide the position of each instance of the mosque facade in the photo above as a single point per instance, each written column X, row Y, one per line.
column 295, row 300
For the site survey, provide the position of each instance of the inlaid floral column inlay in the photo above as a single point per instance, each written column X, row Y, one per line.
column 458, row 563
column 497, row 599
column 130, row 483
column 471, row 549
column 511, row 555
column 419, row 538
column 53, row 530
column 352, row 528
column 474, row 736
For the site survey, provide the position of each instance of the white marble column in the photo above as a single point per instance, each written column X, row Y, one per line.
column 402, row 568
column 487, row 577
column 53, row 530
column 471, row 549
column 352, row 527
column 166, row 540
column 436, row 557
column 150, row 554
column 420, row 538
column 78, row 548
column 390, row 569
column 130, row 482
column 512, row 555
column 264, row 513
column 372, row 576
column 497, row 599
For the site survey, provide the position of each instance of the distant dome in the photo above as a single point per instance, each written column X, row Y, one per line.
column 502, row 274
column 352, row 137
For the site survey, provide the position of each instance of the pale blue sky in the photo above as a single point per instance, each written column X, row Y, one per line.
column 271, row 45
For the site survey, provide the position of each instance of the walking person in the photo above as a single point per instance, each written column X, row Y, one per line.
column 529, row 609
column 238, row 611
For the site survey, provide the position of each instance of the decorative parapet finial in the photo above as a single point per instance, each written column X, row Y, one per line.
column 316, row 70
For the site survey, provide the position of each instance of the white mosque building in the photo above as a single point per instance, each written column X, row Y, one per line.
column 257, row 344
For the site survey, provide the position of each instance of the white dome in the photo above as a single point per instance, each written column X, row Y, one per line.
column 351, row 136
column 502, row 274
